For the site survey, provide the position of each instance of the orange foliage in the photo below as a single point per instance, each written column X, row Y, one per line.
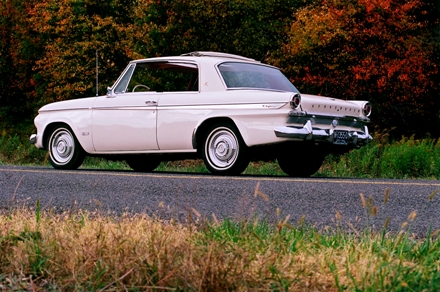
column 74, row 32
column 379, row 50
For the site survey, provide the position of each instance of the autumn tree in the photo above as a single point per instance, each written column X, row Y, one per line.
column 57, row 40
column 386, row 51
column 252, row 28
column 378, row 50
column 75, row 32
column 20, row 47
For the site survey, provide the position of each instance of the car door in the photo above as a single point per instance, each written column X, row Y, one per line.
column 125, row 122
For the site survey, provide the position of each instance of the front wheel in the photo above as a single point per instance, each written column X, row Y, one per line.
column 223, row 150
column 65, row 152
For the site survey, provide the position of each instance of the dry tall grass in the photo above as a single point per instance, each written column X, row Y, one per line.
column 41, row 251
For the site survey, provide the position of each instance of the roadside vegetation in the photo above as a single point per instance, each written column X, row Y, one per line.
column 92, row 251
column 407, row 158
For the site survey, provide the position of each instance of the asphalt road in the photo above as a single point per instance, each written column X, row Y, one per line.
column 325, row 202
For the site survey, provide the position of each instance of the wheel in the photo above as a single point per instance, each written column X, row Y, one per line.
column 300, row 160
column 224, row 151
column 143, row 163
column 65, row 152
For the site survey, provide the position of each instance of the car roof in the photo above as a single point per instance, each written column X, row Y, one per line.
column 218, row 55
column 197, row 55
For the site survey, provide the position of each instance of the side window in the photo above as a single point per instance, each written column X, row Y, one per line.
column 247, row 79
column 164, row 77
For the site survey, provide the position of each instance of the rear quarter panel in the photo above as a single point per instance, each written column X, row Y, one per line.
column 254, row 112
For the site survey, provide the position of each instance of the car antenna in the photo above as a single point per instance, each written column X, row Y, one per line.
column 97, row 72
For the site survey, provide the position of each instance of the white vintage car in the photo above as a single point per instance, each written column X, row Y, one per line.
column 223, row 108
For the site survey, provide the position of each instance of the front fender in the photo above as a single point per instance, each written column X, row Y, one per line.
column 78, row 120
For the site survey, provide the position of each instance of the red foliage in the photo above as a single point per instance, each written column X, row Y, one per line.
column 379, row 50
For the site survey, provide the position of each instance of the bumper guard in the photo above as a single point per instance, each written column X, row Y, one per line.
column 33, row 139
column 307, row 132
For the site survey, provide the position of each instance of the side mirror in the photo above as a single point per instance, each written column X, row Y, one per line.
column 110, row 92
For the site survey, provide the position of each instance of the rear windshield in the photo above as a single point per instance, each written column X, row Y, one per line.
column 243, row 75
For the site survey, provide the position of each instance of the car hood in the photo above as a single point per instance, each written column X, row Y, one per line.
column 73, row 104
column 315, row 104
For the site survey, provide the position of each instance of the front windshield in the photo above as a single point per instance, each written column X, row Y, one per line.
column 245, row 75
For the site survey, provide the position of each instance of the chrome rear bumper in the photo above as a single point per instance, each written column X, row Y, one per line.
column 307, row 132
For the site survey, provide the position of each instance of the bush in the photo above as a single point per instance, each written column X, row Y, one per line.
column 407, row 158
column 16, row 149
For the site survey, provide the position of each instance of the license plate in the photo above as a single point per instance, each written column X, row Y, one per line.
column 340, row 137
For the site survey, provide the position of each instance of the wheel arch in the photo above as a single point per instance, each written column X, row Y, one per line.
column 200, row 129
column 51, row 126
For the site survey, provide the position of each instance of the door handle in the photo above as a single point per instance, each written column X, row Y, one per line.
column 151, row 103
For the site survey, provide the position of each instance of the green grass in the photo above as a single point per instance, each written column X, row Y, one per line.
column 407, row 158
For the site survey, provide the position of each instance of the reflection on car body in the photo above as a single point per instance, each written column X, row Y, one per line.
column 223, row 108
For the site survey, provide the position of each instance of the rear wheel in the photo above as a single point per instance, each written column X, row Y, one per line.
column 143, row 163
column 65, row 152
column 300, row 160
column 223, row 150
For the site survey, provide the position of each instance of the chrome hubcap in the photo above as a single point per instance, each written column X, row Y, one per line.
column 62, row 146
column 222, row 148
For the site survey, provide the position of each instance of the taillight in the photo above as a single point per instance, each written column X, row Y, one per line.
column 295, row 101
column 366, row 109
